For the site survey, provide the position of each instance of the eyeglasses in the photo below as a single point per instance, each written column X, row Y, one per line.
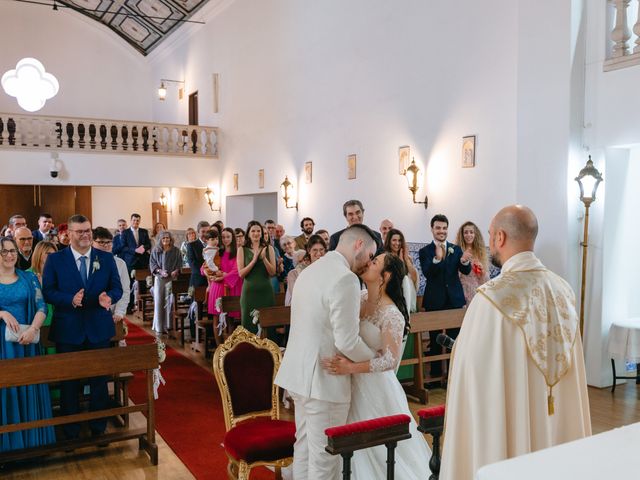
column 104, row 243
column 4, row 252
column 81, row 232
column 25, row 239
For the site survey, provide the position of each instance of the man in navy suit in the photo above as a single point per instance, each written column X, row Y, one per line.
column 45, row 225
column 440, row 262
column 194, row 255
column 136, row 246
column 81, row 283
column 117, row 238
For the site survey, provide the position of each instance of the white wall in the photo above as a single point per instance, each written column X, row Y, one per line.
column 99, row 74
column 111, row 203
column 194, row 206
column 316, row 81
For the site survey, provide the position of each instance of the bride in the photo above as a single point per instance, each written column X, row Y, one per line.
column 375, row 390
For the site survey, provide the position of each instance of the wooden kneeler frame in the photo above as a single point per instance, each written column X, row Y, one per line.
column 432, row 423
column 80, row 365
column 387, row 431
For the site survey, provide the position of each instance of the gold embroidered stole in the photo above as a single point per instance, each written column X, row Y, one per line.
column 542, row 305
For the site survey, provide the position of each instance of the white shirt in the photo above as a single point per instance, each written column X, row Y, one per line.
column 135, row 235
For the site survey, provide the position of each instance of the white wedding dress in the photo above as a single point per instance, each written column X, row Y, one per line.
column 379, row 394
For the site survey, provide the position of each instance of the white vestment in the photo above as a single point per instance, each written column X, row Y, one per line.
column 518, row 339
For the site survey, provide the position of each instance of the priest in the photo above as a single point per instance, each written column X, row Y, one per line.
column 517, row 382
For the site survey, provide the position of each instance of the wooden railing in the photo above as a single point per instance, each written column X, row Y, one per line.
column 626, row 20
column 23, row 131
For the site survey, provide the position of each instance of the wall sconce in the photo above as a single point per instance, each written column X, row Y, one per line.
column 591, row 178
column 162, row 89
column 413, row 173
column 208, row 195
column 285, row 187
column 164, row 202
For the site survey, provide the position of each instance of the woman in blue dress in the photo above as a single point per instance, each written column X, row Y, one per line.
column 21, row 303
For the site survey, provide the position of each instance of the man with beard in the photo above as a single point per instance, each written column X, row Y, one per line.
column 517, row 381
column 441, row 262
column 306, row 225
column 325, row 320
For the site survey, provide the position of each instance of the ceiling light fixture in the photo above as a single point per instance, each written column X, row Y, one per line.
column 30, row 84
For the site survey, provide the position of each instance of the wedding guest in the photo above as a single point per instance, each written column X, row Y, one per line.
column 325, row 236
column 157, row 228
column 306, row 225
column 226, row 278
column 256, row 264
column 118, row 241
column 21, row 303
column 385, row 226
column 194, row 257
column 470, row 239
column 39, row 258
column 219, row 225
column 15, row 222
column 103, row 240
column 164, row 263
column 275, row 281
column 45, row 227
column 291, row 257
column 24, row 240
column 240, row 237
column 63, row 236
column 353, row 212
column 396, row 244
column 316, row 248
column 190, row 236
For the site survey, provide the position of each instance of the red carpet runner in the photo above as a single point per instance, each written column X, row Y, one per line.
column 188, row 413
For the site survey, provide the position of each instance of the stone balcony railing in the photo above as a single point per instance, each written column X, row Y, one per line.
column 39, row 132
column 624, row 16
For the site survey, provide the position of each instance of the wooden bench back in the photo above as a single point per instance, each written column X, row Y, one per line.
column 70, row 366
column 142, row 274
column 274, row 317
column 279, row 297
column 230, row 303
column 440, row 320
column 45, row 342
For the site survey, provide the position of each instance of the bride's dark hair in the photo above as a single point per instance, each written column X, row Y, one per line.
column 397, row 271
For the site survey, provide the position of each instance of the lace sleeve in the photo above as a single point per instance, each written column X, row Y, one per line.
column 392, row 329
column 39, row 298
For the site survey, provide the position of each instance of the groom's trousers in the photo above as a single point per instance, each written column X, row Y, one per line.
column 310, row 460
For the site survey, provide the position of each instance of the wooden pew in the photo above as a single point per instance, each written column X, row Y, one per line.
column 421, row 324
column 79, row 365
column 145, row 300
column 272, row 317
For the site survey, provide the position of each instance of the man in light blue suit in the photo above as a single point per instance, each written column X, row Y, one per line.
column 81, row 283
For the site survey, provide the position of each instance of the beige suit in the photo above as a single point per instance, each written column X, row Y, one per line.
column 324, row 321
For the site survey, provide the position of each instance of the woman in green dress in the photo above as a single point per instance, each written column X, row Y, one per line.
column 256, row 265
column 40, row 254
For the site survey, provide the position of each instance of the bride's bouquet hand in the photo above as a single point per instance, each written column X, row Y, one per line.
column 337, row 365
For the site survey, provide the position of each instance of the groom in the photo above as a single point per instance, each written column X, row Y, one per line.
column 324, row 321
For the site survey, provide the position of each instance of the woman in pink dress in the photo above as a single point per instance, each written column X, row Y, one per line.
column 470, row 238
column 226, row 280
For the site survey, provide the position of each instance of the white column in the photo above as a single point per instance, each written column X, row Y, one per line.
column 621, row 34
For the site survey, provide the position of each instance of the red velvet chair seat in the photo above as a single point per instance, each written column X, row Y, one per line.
column 367, row 425
column 432, row 412
column 261, row 439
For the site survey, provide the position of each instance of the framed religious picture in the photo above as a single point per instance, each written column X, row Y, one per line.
column 351, row 166
column 235, row 182
column 261, row 178
column 308, row 172
column 469, row 151
column 403, row 159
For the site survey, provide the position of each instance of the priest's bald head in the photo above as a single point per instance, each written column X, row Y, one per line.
column 513, row 230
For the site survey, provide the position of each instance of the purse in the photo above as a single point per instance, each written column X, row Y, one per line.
column 11, row 336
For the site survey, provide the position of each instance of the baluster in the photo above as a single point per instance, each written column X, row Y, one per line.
column 49, row 135
column 103, row 137
column 183, row 142
column 92, row 136
column 620, row 34
column 145, row 138
column 213, row 142
column 124, row 130
column 1, row 131
column 159, row 144
column 636, row 30
column 76, row 134
column 70, row 137
column 11, row 128
column 82, row 131
column 172, row 140
column 114, row 137
column 134, row 136
column 196, row 142
column 19, row 130
column 58, row 133
column 24, row 131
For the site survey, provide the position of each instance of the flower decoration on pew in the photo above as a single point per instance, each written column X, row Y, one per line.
column 157, row 376
column 222, row 316
column 255, row 314
column 30, row 84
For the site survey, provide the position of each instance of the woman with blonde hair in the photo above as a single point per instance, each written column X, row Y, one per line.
column 470, row 239
column 38, row 259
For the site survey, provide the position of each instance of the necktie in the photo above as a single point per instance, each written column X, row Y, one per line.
column 83, row 269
